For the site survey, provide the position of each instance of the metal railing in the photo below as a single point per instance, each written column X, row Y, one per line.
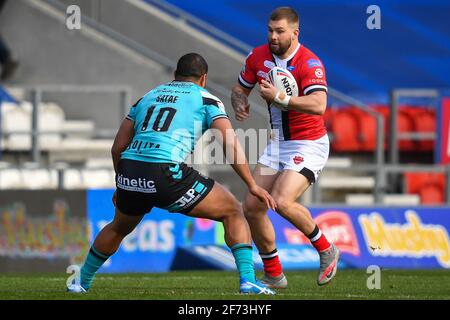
column 36, row 93
column 395, row 136
column 390, row 169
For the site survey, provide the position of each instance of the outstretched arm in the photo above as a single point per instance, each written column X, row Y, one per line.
column 233, row 151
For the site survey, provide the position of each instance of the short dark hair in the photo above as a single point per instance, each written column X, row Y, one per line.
column 191, row 65
column 287, row 13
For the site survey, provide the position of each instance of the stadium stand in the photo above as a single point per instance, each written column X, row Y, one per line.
column 116, row 36
column 353, row 130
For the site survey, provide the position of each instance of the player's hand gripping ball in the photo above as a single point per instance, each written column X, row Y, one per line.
column 285, row 84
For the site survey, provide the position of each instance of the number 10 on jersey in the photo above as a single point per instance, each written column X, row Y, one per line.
column 166, row 112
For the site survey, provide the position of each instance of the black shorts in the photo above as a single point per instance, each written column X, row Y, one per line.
column 174, row 187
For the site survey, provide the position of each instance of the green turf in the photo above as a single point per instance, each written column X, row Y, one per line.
column 348, row 284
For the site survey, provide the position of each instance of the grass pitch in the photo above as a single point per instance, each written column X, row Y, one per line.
column 217, row 285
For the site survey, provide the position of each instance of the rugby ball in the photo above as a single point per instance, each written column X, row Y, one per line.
column 283, row 80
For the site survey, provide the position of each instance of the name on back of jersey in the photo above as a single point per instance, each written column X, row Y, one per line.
column 167, row 98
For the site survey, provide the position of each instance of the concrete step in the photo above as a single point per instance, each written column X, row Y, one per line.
column 388, row 199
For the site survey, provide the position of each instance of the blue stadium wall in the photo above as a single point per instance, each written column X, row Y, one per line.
column 410, row 50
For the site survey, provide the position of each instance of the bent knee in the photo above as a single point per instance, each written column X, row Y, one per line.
column 283, row 204
column 233, row 208
column 253, row 208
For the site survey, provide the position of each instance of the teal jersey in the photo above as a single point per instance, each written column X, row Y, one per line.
column 169, row 120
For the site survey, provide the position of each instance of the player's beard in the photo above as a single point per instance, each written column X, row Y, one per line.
column 281, row 48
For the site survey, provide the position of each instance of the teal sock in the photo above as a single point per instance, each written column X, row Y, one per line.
column 93, row 262
column 243, row 255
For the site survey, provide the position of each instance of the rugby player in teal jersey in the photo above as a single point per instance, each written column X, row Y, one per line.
column 148, row 153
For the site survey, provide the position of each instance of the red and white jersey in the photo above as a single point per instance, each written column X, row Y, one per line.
column 309, row 73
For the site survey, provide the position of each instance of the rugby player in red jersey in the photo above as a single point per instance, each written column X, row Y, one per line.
column 299, row 144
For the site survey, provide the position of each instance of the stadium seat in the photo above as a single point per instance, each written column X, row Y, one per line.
column 51, row 118
column 102, row 163
column 367, row 127
column 39, row 178
column 344, row 126
column 430, row 186
column 78, row 129
column 98, row 178
column 16, row 118
column 10, row 179
column 425, row 122
column 405, row 124
column 72, row 179
column 431, row 194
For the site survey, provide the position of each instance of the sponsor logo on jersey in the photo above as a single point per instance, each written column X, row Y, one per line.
column 269, row 64
column 317, row 81
column 298, row 159
column 139, row 184
column 262, row 74
column 319, row 73
column 314, row 63
column 291, row 68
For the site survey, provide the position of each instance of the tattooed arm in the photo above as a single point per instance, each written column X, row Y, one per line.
column 239, row 101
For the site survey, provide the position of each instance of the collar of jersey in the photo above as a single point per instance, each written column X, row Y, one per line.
column 291, row 55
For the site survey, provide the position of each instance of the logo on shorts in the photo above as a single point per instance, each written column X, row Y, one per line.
column 298, row 159
column 177, row 173
column 189, row 198
column 139, row 185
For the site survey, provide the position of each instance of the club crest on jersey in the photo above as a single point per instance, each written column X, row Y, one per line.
column 319, row 73
column 298, row 159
